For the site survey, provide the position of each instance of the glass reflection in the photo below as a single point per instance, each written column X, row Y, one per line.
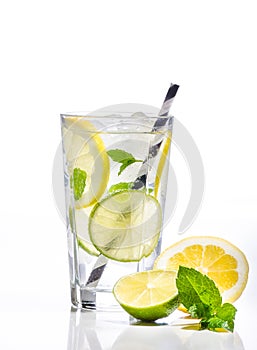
column 91, row 330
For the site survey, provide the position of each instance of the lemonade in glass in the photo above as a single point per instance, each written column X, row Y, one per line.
column 115, row 170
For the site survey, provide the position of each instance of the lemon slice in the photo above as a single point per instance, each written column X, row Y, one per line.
column 85, row 150
column 164, row 154
column 223, row 262
column 126, row 225
column 148, row 295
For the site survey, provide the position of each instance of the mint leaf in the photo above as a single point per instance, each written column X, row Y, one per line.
column 199, row 294
column 198, row 310
column 198, row 290
column 126, row 163
column 123, row 157
column 79, row 182
column 224, row 318
column 121, row 186
column 118, row 155
column 215, row 322
column 226, row 312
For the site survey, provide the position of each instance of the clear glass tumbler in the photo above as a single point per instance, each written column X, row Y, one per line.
column 115, row 171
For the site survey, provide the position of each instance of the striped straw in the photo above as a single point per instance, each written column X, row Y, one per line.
column 156, row 144
column 140, row 181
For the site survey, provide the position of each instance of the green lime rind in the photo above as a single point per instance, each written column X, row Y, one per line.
column 116, row 231
column 122, row 255
column 89, row 249
column 153, row 313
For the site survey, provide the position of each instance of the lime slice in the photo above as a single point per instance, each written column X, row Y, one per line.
column 81, row 220
column 126, row 225
column 164, row 153
column 85, row 150
column 148, row 295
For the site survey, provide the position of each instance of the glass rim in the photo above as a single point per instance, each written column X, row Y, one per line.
column 115, row 115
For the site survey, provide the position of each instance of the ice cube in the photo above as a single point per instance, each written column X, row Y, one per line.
column 139, row 115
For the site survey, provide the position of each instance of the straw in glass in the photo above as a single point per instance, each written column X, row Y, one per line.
column 140, row 181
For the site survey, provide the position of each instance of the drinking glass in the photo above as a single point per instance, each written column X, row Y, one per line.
column 115, row 175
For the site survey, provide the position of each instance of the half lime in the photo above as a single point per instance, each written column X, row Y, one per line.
column 148, row 295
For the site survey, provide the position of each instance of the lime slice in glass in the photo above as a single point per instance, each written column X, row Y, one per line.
column 81, row 220
column 126, row 225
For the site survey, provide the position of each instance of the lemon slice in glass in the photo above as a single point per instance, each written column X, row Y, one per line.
column 85, row 150
column 125, row 226
column 164, row 155
column 148, row 295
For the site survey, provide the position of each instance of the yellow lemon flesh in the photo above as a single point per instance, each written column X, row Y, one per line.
column 85, row 150
column 220, row 260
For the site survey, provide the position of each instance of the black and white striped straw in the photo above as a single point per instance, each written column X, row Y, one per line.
column 156, row 144
column 140, row 181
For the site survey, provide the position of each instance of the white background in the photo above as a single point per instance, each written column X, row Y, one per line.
column 59, row 56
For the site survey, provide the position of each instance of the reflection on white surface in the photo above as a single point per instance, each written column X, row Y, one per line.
column 113, row 331
column 214, row 341
column 94, row 330
column 148, row 338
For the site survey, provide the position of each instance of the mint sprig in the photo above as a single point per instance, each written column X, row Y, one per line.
column 123, row 157
column 121, row 186
column 78, row 182
column 199, row 294
column 125, row 186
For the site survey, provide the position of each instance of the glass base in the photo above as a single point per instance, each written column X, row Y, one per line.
column 94, row 299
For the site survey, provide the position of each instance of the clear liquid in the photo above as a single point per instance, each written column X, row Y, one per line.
column 83, row 263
